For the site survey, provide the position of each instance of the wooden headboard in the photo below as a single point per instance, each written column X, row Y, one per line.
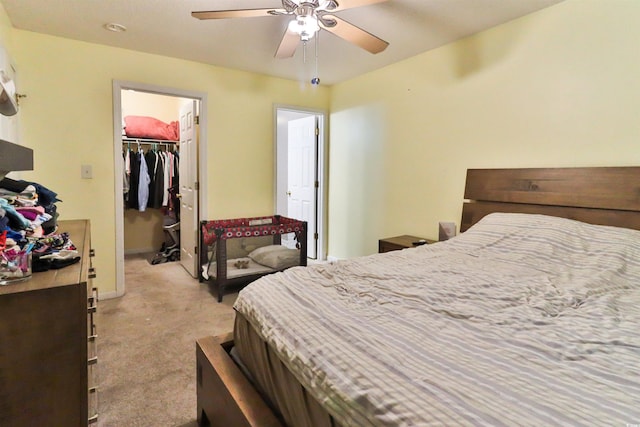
column 599, row 195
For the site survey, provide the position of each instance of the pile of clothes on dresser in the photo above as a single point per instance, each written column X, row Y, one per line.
column 28, row 231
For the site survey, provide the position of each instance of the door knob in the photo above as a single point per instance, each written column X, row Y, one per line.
column 289, row 193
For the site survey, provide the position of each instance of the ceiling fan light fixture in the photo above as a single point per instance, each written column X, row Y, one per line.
column 308, row 17
column 306, row 26
column 327, row 4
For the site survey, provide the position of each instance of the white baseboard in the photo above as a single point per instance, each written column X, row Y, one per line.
column 332, row 258
column 136, row 251
column 109, row 295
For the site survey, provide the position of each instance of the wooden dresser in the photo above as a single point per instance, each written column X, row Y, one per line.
column 48, row 343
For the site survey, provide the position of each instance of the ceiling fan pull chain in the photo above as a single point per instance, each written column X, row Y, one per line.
column 304, row 52
column 316, row 79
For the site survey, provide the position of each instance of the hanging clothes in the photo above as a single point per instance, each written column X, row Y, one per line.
column 176, row 170
column 143, row 186
column 158, row 187
column 148, row 177
column 167, row 179
column 126, row 172
column 174, row 186
column 151, row 159
column 134, row 179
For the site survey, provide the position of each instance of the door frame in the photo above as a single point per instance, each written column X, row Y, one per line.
column 118, row 86
column 322, row 168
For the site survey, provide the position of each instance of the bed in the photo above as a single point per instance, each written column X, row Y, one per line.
column 240, row 250
column 530, row 317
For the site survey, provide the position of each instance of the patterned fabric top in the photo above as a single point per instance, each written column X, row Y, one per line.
column 522, row 320
column 249, row 227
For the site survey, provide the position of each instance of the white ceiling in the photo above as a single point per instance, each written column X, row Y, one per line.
column 166, row 27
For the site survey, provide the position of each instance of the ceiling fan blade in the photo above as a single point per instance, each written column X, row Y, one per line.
column 242, row 13
column 348, row 4
column 288, row 45
column 353, row 34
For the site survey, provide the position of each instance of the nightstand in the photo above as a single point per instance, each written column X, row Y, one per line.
column 399, row 242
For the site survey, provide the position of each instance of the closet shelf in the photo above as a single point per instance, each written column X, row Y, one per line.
column 148, row 141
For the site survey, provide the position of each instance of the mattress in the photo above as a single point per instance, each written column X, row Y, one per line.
column 279, row 387
column 252, row 267
column 522, row 320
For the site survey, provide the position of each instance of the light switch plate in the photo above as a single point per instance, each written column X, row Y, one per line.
column 446, row 230
column 86, row 172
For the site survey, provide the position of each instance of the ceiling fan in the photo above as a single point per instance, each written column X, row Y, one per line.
column 309, row 17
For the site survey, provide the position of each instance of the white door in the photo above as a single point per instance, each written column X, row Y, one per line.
column 188, row 188
column 301, row 180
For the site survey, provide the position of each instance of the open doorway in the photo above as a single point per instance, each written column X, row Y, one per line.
column 189, row 106
column 300, row 172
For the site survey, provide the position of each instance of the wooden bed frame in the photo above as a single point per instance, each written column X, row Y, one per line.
column 225, row 396
column 604, row 196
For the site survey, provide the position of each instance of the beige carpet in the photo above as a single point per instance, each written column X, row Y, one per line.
column 146, row 345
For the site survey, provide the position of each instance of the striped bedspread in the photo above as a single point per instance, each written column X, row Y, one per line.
column 522, row 320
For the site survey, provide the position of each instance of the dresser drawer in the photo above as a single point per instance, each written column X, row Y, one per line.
column 92, row 345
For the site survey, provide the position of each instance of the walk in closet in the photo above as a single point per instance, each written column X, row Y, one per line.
column 150, row 168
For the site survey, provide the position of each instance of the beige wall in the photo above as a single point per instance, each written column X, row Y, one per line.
column 6, row 29
column 560, row 87
column 8, row 124
column 143, row 231
column 161, row 107
column 67, row 120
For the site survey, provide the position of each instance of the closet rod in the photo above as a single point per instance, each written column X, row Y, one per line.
column 149, row 141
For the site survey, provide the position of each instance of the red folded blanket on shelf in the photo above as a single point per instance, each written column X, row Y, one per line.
column 151, row 128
